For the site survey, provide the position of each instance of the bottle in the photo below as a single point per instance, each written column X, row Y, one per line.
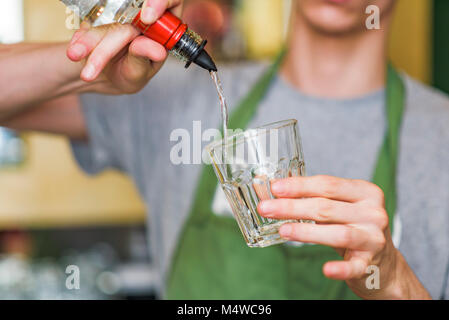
column 169, row 30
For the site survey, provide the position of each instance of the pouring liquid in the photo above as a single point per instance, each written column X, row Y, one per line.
column 223, row 109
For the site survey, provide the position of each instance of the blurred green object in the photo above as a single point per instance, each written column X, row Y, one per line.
column 441, row 45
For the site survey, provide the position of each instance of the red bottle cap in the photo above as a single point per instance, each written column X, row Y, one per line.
column 167, row 31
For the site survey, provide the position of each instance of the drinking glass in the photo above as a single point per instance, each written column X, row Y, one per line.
column 246, row 162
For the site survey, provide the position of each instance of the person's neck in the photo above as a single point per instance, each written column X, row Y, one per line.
column 335, row 66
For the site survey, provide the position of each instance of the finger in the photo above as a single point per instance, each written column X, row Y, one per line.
column 144, row 47
column 78, row 34
column 152, row 10
column 86, row 41
column 317, row 209
column 261, row 185
column 345, row 270
column 321, row 210
column 337, row 236
column 327, row 187
column 77, row 52
column 117, row 38
column 144, row 55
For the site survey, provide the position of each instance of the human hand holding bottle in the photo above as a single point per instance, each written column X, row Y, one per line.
column 117, row 58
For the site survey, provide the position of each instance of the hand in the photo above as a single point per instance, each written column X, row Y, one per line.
column 350, row 217
column 118, row 60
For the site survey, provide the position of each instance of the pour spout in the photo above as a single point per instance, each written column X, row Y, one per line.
column 205, row 61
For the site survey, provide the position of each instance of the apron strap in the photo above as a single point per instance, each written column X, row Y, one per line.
column 385, row 171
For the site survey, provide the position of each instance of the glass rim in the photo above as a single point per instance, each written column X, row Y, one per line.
column 251, row 133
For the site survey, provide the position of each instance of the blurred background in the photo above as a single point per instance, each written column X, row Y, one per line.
column 52, row 215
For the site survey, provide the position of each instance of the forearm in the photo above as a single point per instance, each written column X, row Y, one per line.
column 397, row 281
column 407, row 286
column 33, row 73
column 59, row 116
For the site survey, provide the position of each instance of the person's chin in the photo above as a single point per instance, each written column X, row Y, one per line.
column 353, row 4
column 335, row 28
column 333, row 24
column 338, row 1
column 332, row 16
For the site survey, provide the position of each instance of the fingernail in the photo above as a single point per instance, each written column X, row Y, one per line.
column 266, row 208
column 277, row 187
column 332, row 269
column 285, row 231
column 149, row 15
column 78, row 50
column 89, row 72
column 75, row 38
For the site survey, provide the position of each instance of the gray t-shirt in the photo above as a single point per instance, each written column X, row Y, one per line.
column 340, row 138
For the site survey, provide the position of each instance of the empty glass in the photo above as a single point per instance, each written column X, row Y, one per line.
column 245, row 165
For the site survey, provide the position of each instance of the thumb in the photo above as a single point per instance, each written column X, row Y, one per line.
column 152, row 10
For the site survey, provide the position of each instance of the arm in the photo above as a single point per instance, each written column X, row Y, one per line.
column 61, row 116
column 34, row 73
column 350, row 217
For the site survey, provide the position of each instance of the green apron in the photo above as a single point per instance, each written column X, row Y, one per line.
column 212, row 260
